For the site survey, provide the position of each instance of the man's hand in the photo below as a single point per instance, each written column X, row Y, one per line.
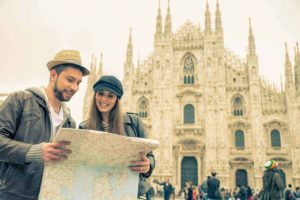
column 56, row 151
column 142, row 166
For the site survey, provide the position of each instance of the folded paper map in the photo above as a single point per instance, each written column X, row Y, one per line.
column 96, row 169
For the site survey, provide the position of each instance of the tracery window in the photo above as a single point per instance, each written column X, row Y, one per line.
column 189, row 71
column 143, row 108
column 238, row 107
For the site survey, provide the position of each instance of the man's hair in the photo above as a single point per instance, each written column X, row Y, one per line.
column 214, row 173
column 60, row 68
column 290, row 185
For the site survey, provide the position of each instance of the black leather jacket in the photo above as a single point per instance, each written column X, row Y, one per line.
column 134, row 128
column 24, row 121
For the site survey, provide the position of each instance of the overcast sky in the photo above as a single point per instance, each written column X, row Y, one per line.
column 32, row 31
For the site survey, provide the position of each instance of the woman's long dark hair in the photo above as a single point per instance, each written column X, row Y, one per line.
column 116, row 118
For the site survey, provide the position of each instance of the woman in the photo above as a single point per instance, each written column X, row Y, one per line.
column 106, row 115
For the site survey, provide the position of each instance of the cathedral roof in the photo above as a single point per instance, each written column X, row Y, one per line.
column 187, row 33
column 233, row 61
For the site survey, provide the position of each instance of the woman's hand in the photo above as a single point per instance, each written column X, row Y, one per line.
column 142, row 166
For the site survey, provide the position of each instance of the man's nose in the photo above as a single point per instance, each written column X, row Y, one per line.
column 74, row 87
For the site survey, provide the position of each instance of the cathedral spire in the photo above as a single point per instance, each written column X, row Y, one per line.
column 168, row 22
column 128, row 66
column 252, row 59
column 297, row 68
column 129, row 48
column 158, row 22
column 288, row 69
column 297, row 54
column 100, row 70
column 92, row 69
column 95, row 62
column 251, row 41
column 218, row 20
column 89, row 92
column 207, row 28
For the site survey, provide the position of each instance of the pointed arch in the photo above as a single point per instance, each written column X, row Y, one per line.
column 188, row 63
column 239, row 139
column 275, row 138
column 189, row 114
column 241, row 177
column 143, row 107
column 238, row 105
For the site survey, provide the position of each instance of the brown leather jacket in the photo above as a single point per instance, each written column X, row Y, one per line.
column 24, row 121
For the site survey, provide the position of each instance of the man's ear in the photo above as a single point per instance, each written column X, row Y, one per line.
column 53, row 75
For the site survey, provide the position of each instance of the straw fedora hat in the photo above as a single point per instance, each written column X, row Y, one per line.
column 68, row 57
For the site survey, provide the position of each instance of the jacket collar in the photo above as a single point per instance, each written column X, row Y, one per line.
column 127, row 119
column 40, row 98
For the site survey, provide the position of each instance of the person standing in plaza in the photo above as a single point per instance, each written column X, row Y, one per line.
column 272, row 183
column 213, row 185
column 29, row 120
column 297, row 193
column 204, row 187
column 106, row 115
column 167, row 187
column 288, row 193
column 189, row 189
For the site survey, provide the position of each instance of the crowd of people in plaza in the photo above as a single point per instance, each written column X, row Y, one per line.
column 210, row 189
column 199, row 192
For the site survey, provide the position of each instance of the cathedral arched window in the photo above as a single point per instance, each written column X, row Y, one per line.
column 275, row 138
column 143, row 108
column 238, row 106
column 239, row 139
column 189, row 114
column 188, row 71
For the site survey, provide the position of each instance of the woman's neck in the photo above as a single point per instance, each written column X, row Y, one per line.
column 105, row 117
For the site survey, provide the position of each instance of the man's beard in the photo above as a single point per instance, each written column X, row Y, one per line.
column 59, row 93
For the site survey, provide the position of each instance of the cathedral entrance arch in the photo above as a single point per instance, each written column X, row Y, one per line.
column 241, row 177
column 189, row 170
column 189, row 156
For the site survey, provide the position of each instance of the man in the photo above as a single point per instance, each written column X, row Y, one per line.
column 288, row 194
column 167, row 187
column 189, row 190
column 242, row 192
column 213, row 185
column 272, row 183
column 29, row 120
column 203, row 188
column 297, row 193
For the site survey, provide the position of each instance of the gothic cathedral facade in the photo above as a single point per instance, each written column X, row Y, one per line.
column 210, row 109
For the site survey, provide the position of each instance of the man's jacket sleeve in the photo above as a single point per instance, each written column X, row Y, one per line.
column 12, row 151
